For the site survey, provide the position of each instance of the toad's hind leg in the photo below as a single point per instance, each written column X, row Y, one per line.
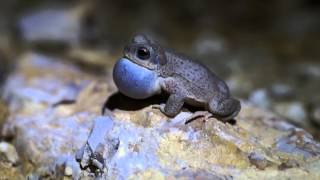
column 224, row 108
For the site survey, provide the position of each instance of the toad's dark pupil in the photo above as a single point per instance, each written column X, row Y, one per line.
column 143, row 53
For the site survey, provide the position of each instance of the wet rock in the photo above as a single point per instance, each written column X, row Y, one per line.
column 295, row 111
column 54, row 130
column 8, row 153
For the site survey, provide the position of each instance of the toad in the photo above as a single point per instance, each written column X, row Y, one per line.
column 147, row 69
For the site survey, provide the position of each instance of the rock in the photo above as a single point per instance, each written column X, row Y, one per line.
column 9, row 162
column 260, row 98
column 53, row 25
column 142, row 143
column 7, row 171
column 8, row 153
column 292, row 144
column 295, row 111
column 47, row 89
column 99, row 147
column 46, row 124
column 68, row 171
column 259, row 161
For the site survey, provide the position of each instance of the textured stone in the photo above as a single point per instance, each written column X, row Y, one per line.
column 52, row 122
column 47, row 125
column 99, row 147
column 7, row 171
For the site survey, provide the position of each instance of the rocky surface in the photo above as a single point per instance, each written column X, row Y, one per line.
column 41, row 96
column 7, row 171
column 9, row 162
column 51, row 122
column 276, row 56
column 57, row 127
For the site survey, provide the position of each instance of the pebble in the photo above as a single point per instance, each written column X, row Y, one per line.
column 68, row 171
column 8, row 151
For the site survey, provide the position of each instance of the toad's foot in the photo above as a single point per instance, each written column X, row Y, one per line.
column 158, row 106
column 173, row 106
column 107, row 112
column 229, row 118
column 205, row 114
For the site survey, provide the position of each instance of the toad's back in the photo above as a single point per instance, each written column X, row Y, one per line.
column 203, row 83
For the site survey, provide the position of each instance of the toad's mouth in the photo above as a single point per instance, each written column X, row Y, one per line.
column 142, row 64
column 135, row 81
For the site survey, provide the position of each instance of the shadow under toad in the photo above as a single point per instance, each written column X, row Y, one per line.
column 122, row 102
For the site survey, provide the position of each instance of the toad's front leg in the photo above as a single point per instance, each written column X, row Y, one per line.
column 174, row 105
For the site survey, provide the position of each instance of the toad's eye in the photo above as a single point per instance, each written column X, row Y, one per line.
column 143, row 53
